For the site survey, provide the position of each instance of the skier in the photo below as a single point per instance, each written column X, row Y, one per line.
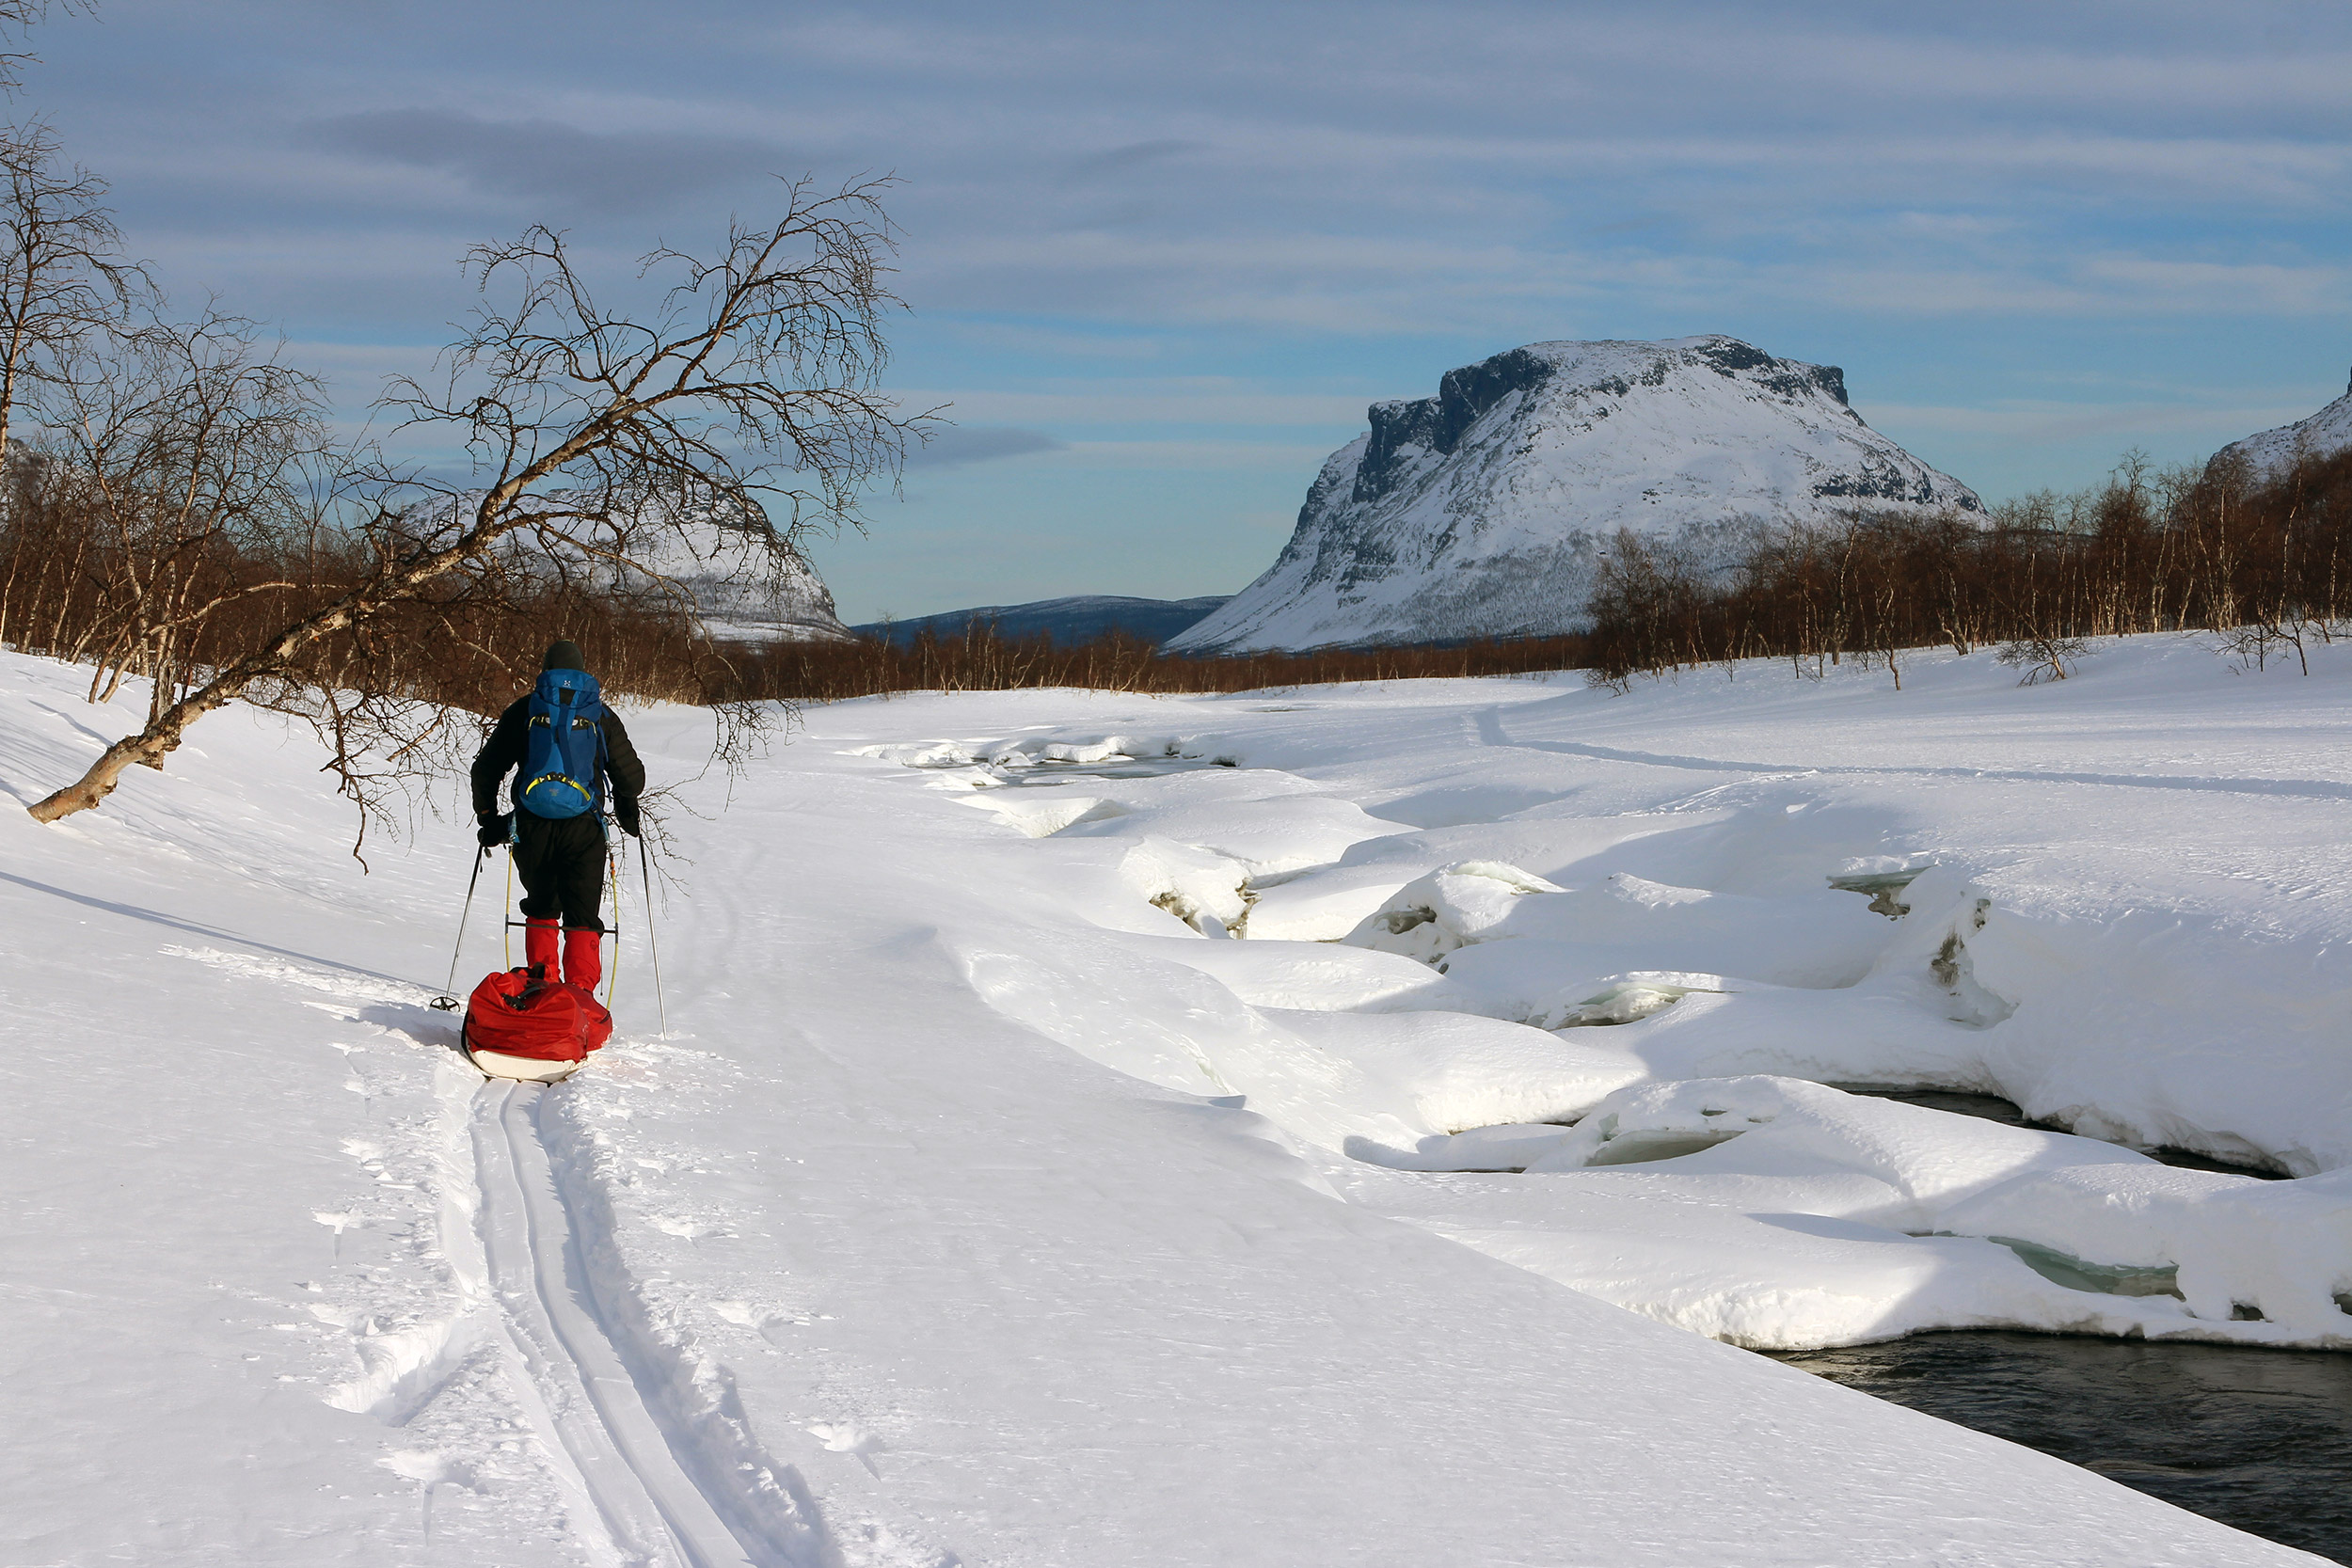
column 568, row 744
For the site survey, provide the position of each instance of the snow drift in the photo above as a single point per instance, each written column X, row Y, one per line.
column 1482, row 511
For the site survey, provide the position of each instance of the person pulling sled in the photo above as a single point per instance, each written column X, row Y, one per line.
column 565, row 748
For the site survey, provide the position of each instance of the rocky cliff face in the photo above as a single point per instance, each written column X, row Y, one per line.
column 1484, row 511
column 2270, row 451
column 735, row 590
column 745, row 602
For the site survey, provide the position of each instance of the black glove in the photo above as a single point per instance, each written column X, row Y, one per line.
column 625, row 812
column 497, row 827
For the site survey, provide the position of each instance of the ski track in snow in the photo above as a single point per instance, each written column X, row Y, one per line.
column 628, row 1456
column 642, row 1487
column 588, row 1406
column 648, row 1474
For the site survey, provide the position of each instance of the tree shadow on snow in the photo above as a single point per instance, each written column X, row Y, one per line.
column 212, row 932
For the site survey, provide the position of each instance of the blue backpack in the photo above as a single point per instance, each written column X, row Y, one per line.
column 563, row 757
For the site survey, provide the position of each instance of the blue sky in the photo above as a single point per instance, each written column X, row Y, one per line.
column 1160, row 258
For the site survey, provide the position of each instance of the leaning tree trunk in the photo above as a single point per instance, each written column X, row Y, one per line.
column 158, row 740
column 163, row 733
column 389, row 584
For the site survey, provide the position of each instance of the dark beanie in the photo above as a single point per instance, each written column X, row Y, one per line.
column 564, row 656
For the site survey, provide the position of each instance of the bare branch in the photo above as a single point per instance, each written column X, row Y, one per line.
column 742, row 412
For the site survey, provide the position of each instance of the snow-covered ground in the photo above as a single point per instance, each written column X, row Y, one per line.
column 991, row 1203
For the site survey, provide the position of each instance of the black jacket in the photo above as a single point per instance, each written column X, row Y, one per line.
column 505, row 750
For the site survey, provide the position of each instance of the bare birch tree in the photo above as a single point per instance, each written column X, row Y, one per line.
column 63, row 275
column 190, row 462
column 744, row 405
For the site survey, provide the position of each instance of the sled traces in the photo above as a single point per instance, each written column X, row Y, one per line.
column 579, row 1391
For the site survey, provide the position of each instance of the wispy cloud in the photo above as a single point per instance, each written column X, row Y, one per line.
column 1121, row 163
column 546, row 159
column 1240, row 167
column 1189, row 400
column 953, row 445
column 2053, row 422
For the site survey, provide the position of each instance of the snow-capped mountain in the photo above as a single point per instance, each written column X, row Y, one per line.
column 734, row 588
column 747, row 600
column 1482, row 511
column 2267, row 451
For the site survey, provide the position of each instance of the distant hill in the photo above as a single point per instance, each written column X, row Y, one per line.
column 2267, row 453
column 1077, row 619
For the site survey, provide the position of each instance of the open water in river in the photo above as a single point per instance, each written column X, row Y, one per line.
column 2259, row 1439
column 1992, row 1107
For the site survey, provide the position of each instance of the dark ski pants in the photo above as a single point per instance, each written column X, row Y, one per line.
column 560, row 862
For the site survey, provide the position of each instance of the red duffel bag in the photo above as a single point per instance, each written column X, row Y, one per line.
column 513, row 1015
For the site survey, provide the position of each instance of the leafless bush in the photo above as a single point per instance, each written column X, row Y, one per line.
column 2043, row 659
column 188, row 458
column 978, row 659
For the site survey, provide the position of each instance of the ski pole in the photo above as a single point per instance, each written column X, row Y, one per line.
column 447, row 1001
column 613, row 976
column 644, row 870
